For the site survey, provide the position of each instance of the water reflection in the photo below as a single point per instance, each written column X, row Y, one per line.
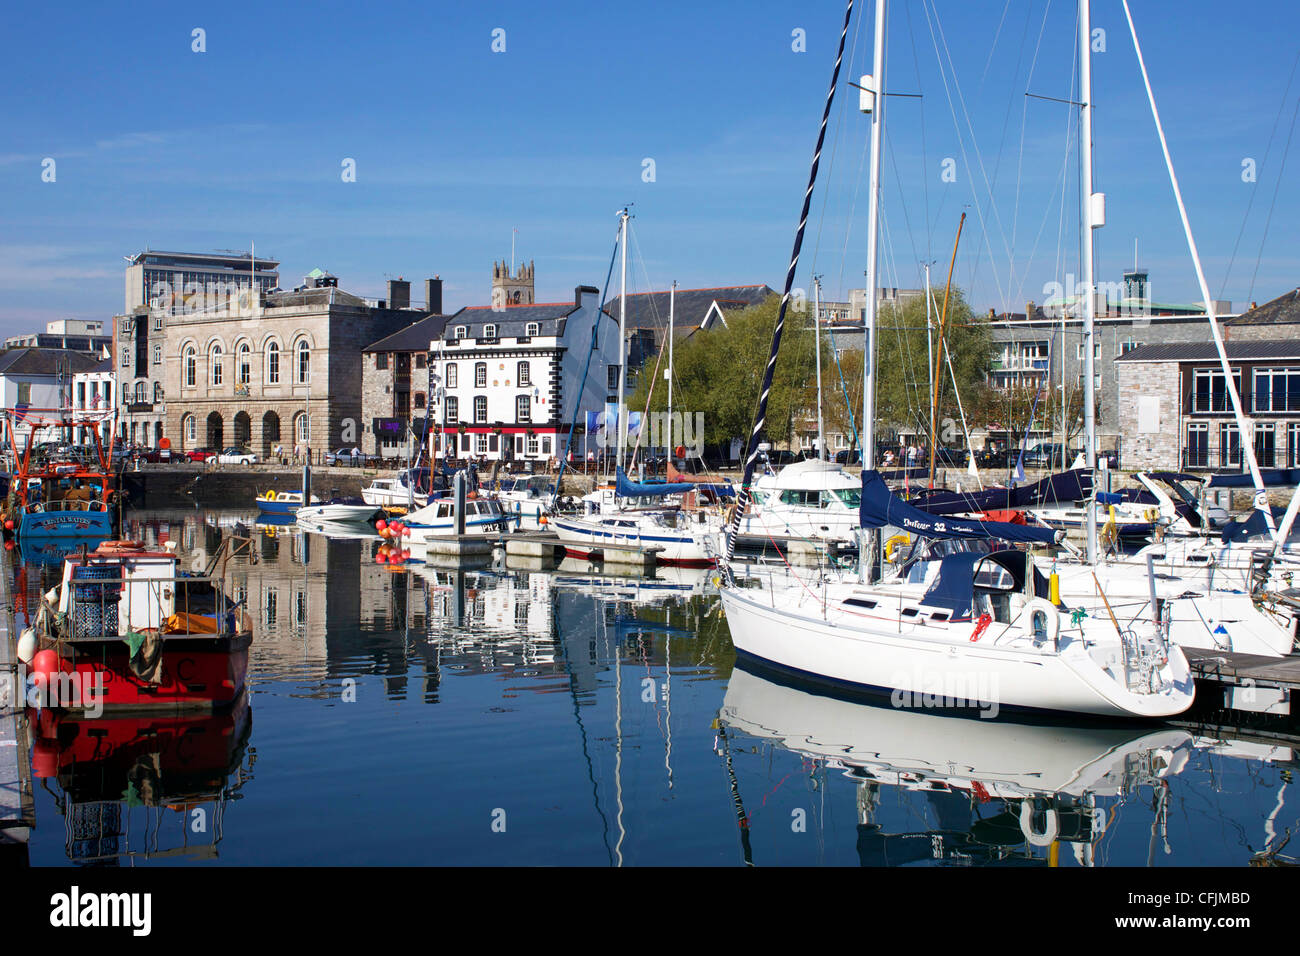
column 138, row 789
column 630, row 738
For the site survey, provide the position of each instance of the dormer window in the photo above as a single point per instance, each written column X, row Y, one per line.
column 533, row 328
column 489, row 331
column 461, row 332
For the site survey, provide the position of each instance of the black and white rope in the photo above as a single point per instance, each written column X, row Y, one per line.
column 751, row 451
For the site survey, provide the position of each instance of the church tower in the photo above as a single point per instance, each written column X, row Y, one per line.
column 510, row 289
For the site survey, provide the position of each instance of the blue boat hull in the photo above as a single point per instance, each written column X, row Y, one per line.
column 65, row 524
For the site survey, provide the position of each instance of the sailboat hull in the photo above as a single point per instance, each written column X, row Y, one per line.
column 942, row 669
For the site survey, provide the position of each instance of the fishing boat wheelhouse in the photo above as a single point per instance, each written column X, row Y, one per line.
column 126, row 631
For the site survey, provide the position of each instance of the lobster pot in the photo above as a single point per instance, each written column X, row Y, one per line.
column 94, row 610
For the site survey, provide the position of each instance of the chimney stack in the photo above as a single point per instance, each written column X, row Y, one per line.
column 399, row 294
column 433, row 295
column 1029, row 309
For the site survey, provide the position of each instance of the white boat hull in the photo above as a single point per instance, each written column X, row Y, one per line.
column 937, row 665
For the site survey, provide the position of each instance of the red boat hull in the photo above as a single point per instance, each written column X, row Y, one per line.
column 197, row 675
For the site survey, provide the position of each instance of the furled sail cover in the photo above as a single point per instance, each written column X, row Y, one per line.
column 1063, row 487
column 880, row 508
column 625, row 488
column 1273, row 478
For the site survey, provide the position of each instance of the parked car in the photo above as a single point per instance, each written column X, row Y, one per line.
column 349, row 457
column 158, row 456
column 200, row 455
column 237, row 455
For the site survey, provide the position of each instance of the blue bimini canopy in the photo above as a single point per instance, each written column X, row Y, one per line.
column 625, row 488
column 880, row 508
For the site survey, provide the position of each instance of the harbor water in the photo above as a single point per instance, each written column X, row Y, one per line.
column 417, row 714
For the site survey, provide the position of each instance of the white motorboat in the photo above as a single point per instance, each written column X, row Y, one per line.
column 679, row 539
column 397, row 492
column 438, row 519
column 811, row 499
column 336, row 511
column 527, row 498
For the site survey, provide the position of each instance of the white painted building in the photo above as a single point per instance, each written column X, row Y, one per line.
column 35, row 384
column 92, row 403
column 507, row 383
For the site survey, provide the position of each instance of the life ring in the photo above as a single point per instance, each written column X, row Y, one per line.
column 893, row 544
column 270, row 495
column 1049, row 833
column 1051, row 613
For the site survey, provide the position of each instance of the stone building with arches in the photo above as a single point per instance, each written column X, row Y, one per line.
column 275, row 371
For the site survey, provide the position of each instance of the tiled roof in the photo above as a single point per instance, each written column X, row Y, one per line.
column 414, row 338
column 1205, row 351
column 30, row 361
column 649, row 310
column 1284, row 310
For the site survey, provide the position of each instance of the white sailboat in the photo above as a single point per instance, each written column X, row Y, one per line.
column 677, row 538
column 981, row 627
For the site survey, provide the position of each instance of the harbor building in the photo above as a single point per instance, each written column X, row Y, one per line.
column 179, row 282
column 77, row 335
column 507, row 384
column 276, row 371
column 92, row 403
column 35, row 378
column 1043, row 347
column 1175, row 411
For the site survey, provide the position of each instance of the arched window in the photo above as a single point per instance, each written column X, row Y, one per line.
column 217, row 366
column 302, row 428
column 461, row 332
column 141, row 396
column 191, row 367
column 489, row 331
column 157, row 392
column 304, row 362
column 244, row 369
column 273, row 364
column 524, row 378
column 480, row 374
column 157, row 355
column 191, row 430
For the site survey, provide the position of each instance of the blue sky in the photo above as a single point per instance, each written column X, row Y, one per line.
column 456, row 145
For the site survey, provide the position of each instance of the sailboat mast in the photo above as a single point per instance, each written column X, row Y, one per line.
column 672, row 306
column 760, row 419
column 1244, row 431
column 929, row 343
column 817, row 340
column 622, row 342
column 1090, row 301
column 868, row 541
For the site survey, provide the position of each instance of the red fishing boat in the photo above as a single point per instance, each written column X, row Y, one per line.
column 125, row 631
column 58, row 496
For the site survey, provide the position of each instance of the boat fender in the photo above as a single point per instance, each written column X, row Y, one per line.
column 27, row 645
column 1051, row 614
column 1051, row 829
column 893, row 544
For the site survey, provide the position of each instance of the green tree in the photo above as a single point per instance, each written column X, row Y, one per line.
column 720, row 371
